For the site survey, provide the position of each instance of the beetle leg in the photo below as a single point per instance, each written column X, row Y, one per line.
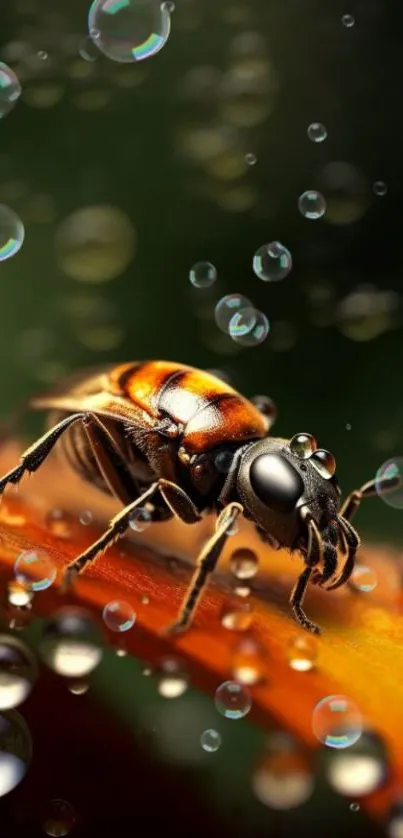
column 352, row 543
column 35, row 455
column 368, row 490
column 313, row 556
column 206, row 563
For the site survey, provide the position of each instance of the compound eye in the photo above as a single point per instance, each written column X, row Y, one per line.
column 324, row 463
column 275, row 482
column 303, row 445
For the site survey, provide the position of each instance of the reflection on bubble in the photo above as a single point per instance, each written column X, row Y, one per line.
column 272, row 262
column 35, row 570
column 392, row 471
column 283, row 779
column 95, row 244
column 10, row 89
column 210, row 740
column 242, row 322
column 203, row 274
column 140, row 519
column 257, row 334
column 337, row 722
column 312, row 204
column 12, row 233
column 364, row 578
column 361, row 769
column 71, row 643
column 317, row 132
column 15, row 750
column 119, row 615
column 227, row 307
column 233, row 700
column 348, row 21
column 18, row 672
column 250, row 159
column 380, row 188
column 58, row 818
column 129, row 30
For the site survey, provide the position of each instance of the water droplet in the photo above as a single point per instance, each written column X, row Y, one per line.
column 58, row 819
column 312, row 204
column 391, row 471
column 267, row 407
column 173, row 679
column 242, row 322
column 244, row 563
column 380, row 188
column 303, row 445
column 233, row 700
column 78, row 687
column 35, row 570
column 119, row 615
column 60, row 523
column 237, row 615
column 71, row 643
column 248, row 664
column 324, row 463
column 272, row 262
column 317, row 132
column 348, row 21
column 19, row 595
column 227, row 307
column 250, row 159
column 15, row 750
column 257, row 334
column 210, row 740
column 302, row 653
column 10, row 89
column 12, row 231
column 337, row 721
column 242, row 590
column 140, row 519
column 283, row 779
column 129, row 31
column 18, row 672
column 364, row 578
column 355, row 807
column 86, row 517
column 203, row 274
column 360, row 770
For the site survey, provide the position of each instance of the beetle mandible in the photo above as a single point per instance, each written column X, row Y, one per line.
column 155, row 434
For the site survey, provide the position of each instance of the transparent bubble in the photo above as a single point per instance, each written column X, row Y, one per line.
column 348, row 21
column 233, row 700
column 317, row 132
column 71, row 643
column 58, row 818
column 380, row 188
column 129, row 30
column 210, row 740
column 267, row 407
column 312, row 204
column 227, row 307
column 173, row 679
column 60, row 523
column 95, row 244
column 348, row 426
column 244, row 563
column 250, row 159
column 324, row 463
column 35, row 570
column 237, row 615
column 302, row 653
column 354, row 807
column 88, row 51
column 242, row 322
column 248, row 662
column 257, row 334
column 18, row 672
column 15, row 750
column 86, row 517
column 364, row 578
column 272, row 262
column 283, row 779
column 12, row 233
column 119, row 615
column 303, row 445
column 10, row 89
column 203, row 274
column 360, row 770
column 337, row 721
column 19, row 595
column 392, row 471
column 140, row 519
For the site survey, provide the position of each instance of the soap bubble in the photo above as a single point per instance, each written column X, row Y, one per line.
column 35, row 570
column 272, row 262
column 233, row 700
column 317, row 132
column 12, row 233
column 15, row 750
column 337, row 722
column 10, row 89
column 312, row 204
column 119, row 615
column 203, row 274
column 227, row 307
column 129, row 30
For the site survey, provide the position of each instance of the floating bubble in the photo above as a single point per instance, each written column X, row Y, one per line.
column 317, row 132
column 203, row 274
column 337, row 722
column 129, row 30
column 244, row 563
column 233, row 700
column 283, row 779
column 257, row 334
column 86, row 517
column 248, row 663
column 12, row 233
column 60, row 523
column 15, row 750
column 392, row 471
column 35, row 570
column 360, row 770
column 242, row 322
column 140, row 519
column 71, row 643
column 364, row 578
column 302, row 653
column 18, row 672
column 10, row 89
column 250, row 159
column 119, row 615
column 227, row 307
column 237, row 615
column 312, row 204
column 95, row 243
column 348, row 21
column 354, row 807
column 267, row 407
column 210, row 740
column 272, row 262
column 58, row 819
column 380, row 188
column 173, row 679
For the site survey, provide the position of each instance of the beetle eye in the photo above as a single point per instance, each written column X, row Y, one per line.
column 275, row 482
column 324, row 463
column 303, row 445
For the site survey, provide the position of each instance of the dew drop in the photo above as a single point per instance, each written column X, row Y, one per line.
column 18, row 672
column 237, row 615
column 140, row 519
column 312, row 204
column 233, row 700
column 10, row 89
column 118, row 615
column 130, row 31
column 272, row 262
column 34, row 570
column 303, row 445
column 248, row 665
column 244, row 563
column 337, row 721
column 203, row 275
column 15, row 750
column 283, row 779
column 210, row 740
column 302, row 653
column 173, row 679
column 19, row 595
column 360, row 770
column 86, row 517
column 71, row 643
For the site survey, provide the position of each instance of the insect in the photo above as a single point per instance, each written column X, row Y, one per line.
column 175, row 440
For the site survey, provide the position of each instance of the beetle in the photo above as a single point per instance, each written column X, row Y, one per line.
column 174, row 440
